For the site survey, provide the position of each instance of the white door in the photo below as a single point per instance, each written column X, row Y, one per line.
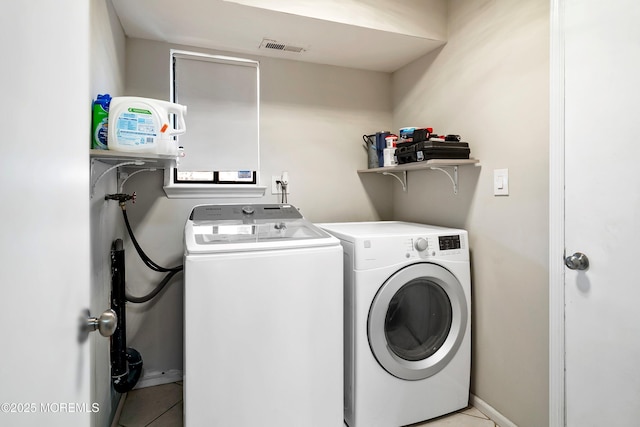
column 44, row 188
column 602, row 212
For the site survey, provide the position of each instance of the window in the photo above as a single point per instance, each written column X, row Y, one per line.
column 221, row 145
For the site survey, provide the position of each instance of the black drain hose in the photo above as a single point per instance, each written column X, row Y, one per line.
column 122, row 200
column 149, row 263
column 126, row 363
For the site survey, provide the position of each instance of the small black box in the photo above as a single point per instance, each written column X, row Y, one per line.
column 443, row 150
column 410, row 152
column 422, row 134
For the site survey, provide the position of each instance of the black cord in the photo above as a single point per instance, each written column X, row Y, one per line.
column 148, row 262
column 152, row 265
column 153, row 293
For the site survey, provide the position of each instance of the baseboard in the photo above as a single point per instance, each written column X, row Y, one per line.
column 152, row 378
column 491, row 412
column 118, row 411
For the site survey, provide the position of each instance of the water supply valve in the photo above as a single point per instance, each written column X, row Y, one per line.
column 122, row 198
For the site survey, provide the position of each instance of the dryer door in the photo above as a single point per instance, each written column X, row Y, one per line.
column 417, row 321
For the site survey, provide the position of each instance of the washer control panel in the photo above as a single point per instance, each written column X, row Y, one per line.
column 244, row 212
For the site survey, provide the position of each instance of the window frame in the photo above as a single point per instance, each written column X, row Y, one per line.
column 174, row 189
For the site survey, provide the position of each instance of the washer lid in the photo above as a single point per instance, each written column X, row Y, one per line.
column 233, row 228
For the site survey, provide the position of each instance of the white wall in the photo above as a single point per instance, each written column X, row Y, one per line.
column 312, row 121
column 490, row 84
column 107, row 76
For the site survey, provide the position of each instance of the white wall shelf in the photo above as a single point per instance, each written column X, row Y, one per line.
column 159, row 161
column 434, row 164
column 119, row 159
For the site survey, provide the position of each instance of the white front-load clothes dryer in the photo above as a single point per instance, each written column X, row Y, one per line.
column 407, row 321
column 263, row 319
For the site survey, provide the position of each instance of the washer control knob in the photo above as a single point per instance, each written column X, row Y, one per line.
column 420, row 244
column 248, row 210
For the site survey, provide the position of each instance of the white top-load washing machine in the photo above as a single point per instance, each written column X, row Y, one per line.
column 263, row 319
column 407, row 321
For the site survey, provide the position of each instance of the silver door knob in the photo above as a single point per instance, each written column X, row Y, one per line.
column 577, row 261
column 106, row 324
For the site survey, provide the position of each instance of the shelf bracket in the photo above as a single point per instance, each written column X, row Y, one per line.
column 119, row 165
column 403, row 180
column 454, row 178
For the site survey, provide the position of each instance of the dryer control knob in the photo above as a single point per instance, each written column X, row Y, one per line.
column 248, row 210
column 420, row 244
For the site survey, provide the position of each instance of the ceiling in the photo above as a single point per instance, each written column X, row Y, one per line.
column 239, row 28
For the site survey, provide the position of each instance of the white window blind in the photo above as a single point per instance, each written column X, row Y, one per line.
column 222, row 99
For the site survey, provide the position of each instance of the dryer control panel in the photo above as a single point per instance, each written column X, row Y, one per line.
column 449, row 245
column 385, row 243
column 449, row 242
column 378, row 251
column 445, row 243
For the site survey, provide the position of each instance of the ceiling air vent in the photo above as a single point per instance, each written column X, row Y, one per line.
column 275, row 45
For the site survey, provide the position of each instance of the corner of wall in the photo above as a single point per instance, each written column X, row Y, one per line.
column 489, row 84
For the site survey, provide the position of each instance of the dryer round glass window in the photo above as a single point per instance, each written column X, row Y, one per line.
column 417, row 321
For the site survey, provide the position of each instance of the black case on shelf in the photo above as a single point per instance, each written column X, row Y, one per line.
column 409, row 152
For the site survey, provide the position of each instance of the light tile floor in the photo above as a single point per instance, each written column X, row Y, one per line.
column 161, row 406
